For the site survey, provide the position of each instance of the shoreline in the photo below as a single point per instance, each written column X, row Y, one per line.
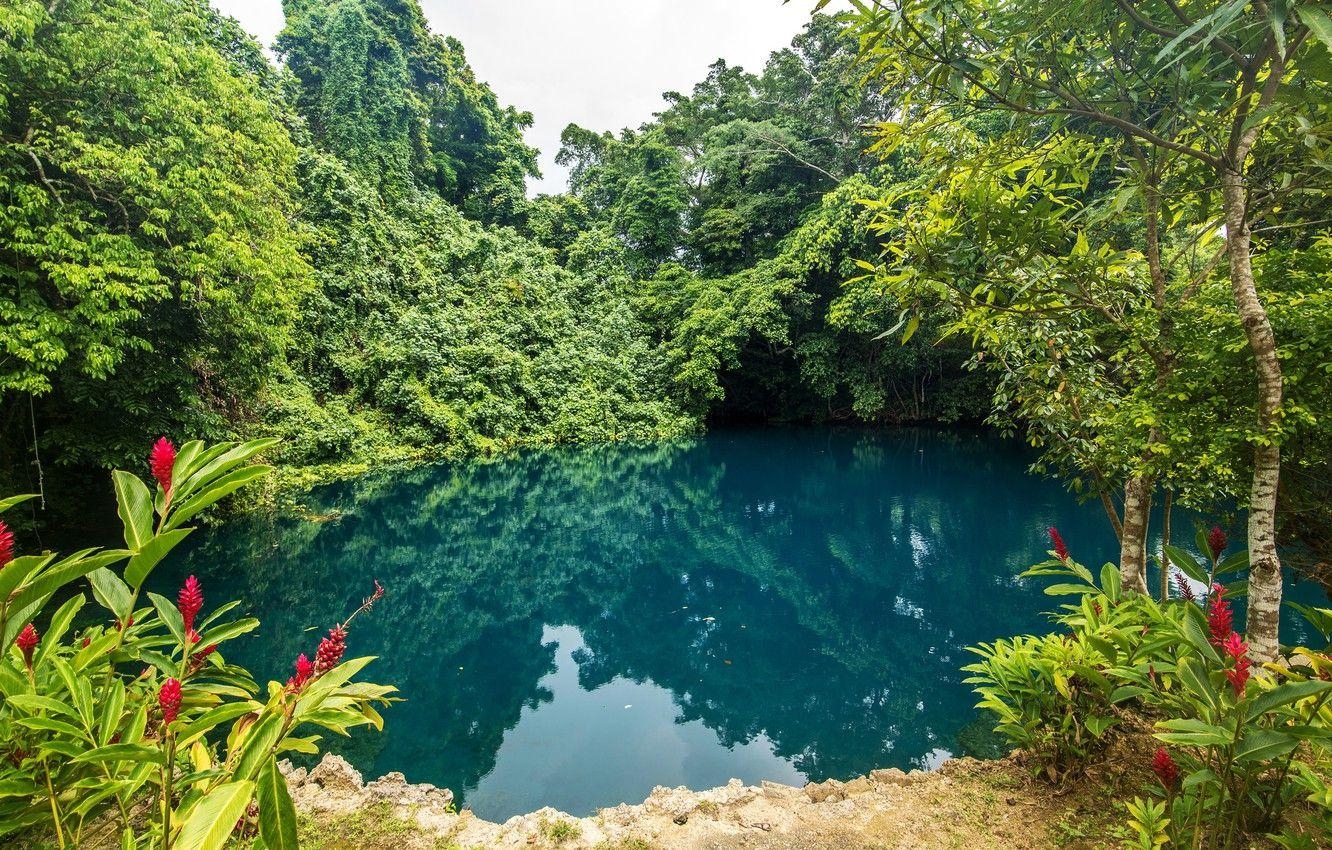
column 965, row 803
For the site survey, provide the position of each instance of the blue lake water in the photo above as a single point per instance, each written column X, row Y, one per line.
column 573, row 627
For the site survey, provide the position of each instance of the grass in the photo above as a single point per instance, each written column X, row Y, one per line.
column 375, row 827
column 559, row 831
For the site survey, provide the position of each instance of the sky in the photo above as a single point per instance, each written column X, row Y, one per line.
column 602, row 64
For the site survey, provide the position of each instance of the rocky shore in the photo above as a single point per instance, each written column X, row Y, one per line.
column 965, row 804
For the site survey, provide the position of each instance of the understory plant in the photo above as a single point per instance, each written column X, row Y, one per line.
column 1237, row 744
column 122, row 721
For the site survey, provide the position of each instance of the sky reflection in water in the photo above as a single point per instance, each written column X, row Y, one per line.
column 573, row 627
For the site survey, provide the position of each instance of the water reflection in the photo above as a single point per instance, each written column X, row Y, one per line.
column 772, row 604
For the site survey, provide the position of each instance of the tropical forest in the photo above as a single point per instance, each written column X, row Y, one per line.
column 914, row 432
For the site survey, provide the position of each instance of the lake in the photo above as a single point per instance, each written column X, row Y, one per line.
column 572, row 627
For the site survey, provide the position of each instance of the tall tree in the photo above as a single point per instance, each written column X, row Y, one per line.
column 1200, row 80
column 147, row 249
column 403, row 107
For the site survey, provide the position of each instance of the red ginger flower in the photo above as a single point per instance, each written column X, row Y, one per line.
column 1165, row 768
column 6, row 545
column 1220, row 619
column 1061, row 551
column 1238, row 650
column 162, row 459
column 1239, row 676
column 330, row 650
column 1234, row 646
column 1216, row 541
column 304, row 670
column 168, row 698
column 27, row 642
column 191, row 602
column 1182, row 585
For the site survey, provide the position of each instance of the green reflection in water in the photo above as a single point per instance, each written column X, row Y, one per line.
column 769, row 604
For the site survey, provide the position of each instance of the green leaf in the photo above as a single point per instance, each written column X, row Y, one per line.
column 110, row 592
column 259, row 742
column 10, row 501
column 1194, row 676
column 1111, row 581
column 135, row 505
column 1264, row 744
column 57, row 576
column 151, row 554
column 123, row 752
column 1196, row 637
column 277, row 814
column 1318, row 23
column 1284, row 695
column 214, row 717
column 170, row 614
column 215, row 491
column 227, row 631
column 213, row 818
column 1186, row 563
column 1193, row 732
column 1069, row 589
column 59, row 625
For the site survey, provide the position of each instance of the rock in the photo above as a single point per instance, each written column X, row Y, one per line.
column 680, row 819
column 893, row 776
column 335, row 774
column 859, row 785
column 820, row 792
column 778, row 791
column 394, row 788
column 296, row 776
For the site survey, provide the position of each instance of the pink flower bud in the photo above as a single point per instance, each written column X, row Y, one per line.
column 190, row 601
column 6, row 545
column 162, row 459
column 1216, row 541
column 1165, row 768
column 168, row 698
column 304, row 670
column 1220, row 619
column 330, row 650
column 27, row 642
column 1061, row 551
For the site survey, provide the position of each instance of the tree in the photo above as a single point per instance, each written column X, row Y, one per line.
column 403, row 107
column 146, row 239
column 1200, row 81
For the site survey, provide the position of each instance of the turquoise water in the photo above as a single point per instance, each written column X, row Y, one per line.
column 573, row 627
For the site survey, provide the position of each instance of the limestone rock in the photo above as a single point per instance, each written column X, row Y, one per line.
column 859, row 785
column 394, row 788
column 335, row 774
column 891, row 776
column 822, row 792
column 295, row 776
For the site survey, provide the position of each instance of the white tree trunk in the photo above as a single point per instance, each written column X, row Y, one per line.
column 1264, row 565
column 1133, row 540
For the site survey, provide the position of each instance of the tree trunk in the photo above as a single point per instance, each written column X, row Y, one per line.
column 1133, row 541
column 1264, row 565
column 1165, row 541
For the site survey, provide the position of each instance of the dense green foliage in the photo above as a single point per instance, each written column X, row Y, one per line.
column 339, row 250
column 112, row 723
column 1243, row 753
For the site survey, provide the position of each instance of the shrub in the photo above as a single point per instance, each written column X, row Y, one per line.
column 137, row 723
column 1240, row 744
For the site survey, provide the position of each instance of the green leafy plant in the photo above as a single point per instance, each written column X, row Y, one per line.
column 1239, row 749
column 137, row 725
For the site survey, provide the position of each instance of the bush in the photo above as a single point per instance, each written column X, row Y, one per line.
column 1239, row 748
column 137, row 725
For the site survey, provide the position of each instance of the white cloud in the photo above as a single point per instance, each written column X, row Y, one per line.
column 599, row 63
